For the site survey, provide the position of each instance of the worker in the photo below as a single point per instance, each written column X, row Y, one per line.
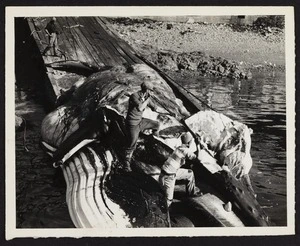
column 52, row 32
column 172, row 171
column 135, row 123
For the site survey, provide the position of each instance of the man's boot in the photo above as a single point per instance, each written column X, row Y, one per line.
column 46, row 50
column 56, row 51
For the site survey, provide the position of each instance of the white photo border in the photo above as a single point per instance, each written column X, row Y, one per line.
column 10, row 156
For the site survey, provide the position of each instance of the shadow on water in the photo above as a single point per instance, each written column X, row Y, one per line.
column 40, row 189
column 29, row 69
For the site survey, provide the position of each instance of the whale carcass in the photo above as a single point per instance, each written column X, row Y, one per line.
column 88, row 131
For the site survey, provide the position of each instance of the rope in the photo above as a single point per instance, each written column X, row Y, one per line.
column 87, row 65
column 165, row 108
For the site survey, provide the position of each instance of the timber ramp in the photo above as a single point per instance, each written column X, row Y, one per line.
column 90, row 42
column 85, row 40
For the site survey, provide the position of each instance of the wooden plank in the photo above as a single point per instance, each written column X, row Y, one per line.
column 127, row 51
column 34, row 33
column 107, row 27
column 81, row 40
column 117, row 41
column 75, row 46
column 122, row 53
column 105, row 58
column 108, row 34
column 78, row 48
column 70, row 42
column 99, row 54
column 67, row 47
column 93, row 43
column 84, row 35
column 111, row 47
column 40, row 37
column 37, row 38
column 103, row 38
column 100, row 43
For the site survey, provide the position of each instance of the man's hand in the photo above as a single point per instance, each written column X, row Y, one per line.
column 144, row 104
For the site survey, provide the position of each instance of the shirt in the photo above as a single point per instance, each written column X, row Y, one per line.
column 51, row 27
column 134, row 115
column 177, row 159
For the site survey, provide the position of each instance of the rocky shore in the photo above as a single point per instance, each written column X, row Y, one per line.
column 221, row 50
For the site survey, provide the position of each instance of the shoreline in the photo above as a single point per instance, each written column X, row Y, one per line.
column 201, row 48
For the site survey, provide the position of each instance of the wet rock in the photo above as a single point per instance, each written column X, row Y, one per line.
column 169, row 26
column 165, row 60
column 242, row 75
column 198, row 62
column 182, row 66
column 225, row 63
column 187, row 64
column 249, row 75
column 220, row 68
column 213, row 72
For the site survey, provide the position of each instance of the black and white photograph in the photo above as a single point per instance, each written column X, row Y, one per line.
column 150, row 121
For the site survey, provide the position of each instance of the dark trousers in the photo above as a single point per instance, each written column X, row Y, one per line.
column 133, row 132
column 52, row 44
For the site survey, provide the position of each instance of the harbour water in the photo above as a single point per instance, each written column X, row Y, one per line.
column 260, row 103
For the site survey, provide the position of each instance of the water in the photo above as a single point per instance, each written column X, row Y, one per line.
column 259, row 103
column 40, row 189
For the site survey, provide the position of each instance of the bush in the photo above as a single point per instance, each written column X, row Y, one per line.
column 270, row 21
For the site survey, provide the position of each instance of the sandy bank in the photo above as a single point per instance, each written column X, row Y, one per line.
column 249, row 49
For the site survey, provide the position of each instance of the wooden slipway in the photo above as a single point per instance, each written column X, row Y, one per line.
column 82, row 40
column 90, row 40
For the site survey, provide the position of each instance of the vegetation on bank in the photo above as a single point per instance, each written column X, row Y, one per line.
column 199, row 62
column 270, row 21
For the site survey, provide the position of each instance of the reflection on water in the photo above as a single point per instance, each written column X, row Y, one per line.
column 261, row 104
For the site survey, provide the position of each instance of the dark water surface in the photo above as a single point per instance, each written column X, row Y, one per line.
column 260, row 103
column 40, row 189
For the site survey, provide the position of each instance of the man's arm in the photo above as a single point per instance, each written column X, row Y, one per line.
column 189, row 154
column 47, row 29
column 135, row 100
column 143, row 105
column 152, row 105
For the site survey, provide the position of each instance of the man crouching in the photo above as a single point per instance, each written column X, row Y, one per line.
column 172, row 171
